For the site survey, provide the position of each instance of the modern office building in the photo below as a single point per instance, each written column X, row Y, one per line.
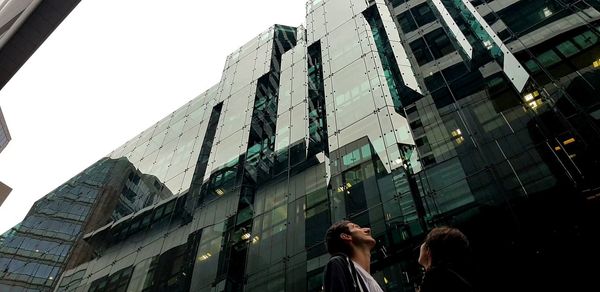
column 24, row 26
column 34, row 253
column 397, row 115
column 4, row 192
column 4, row 133
column 4, row 139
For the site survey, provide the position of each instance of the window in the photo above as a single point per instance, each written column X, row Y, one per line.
column 567, row 48
column 397, row 2
column 317, row 217
column 423, row 14
column 439, row 43
column 421, row 52
column 586, row 39
column 407, row 22
column 115, row 282
column 428, row 160
column 434, row 82
column 416, row 17
column 526, row 16
column 442, row 97
column 548, row 58
column 532, row 66
column 423, row 145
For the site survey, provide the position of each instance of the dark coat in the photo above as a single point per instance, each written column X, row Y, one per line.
column 341, row 276
column 444, row 279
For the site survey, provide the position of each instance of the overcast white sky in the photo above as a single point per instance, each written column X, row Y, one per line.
column 108, row 72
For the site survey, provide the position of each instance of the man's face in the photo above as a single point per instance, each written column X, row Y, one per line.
column 425, row 257
column 361, row 235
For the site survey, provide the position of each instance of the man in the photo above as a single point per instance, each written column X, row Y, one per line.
column 349, row 267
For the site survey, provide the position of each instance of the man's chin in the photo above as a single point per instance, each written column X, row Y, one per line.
column 372, row 242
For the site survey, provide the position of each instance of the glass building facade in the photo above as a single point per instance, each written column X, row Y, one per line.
column 34, row 253
column 24, row 26
column 4, row 133
column 398, row 115
column 4, row 139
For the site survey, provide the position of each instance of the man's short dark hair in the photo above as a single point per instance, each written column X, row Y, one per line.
column 447, row 245
column 334, row 242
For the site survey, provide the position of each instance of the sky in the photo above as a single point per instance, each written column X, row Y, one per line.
column 112, row 69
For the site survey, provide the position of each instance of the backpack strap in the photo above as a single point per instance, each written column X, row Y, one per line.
column 357, row 282
column 362, row 286
column 461, row 278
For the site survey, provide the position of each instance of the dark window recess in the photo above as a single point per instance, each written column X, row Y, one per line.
column 423, row 14
column 501, row 92
column 421, row 52
column 317, row 222
column 412, row 113
column 584, row 89
column 504, row 35
column 260, row 159
column 435, row 81
column 170, row 275
column 401, row 94
column 115, row 282
column 316, row 95
column 490, row 18
column 128, row 193
column 454, row 72
column 428, row 160
column 442, row 97
column 526, row 16
column 411, row 110
column 467, row 85
column 415, row 17
column 297, row 153
column 397, row 2
column 439, row 43
column 134, row 178
column 423, row 145
column 407, row 22
column 198, row 177
column 416, row 124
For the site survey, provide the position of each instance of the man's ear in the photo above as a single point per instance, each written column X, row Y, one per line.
column 345, row 236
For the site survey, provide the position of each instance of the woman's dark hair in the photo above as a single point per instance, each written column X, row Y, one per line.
column 447, row 246
column 334, row 242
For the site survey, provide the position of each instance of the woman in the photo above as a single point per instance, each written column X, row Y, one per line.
column 444, row 256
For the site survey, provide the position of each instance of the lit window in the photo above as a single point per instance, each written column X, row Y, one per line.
column 533, row 99
column 568, row 141
column 458, row 136
column 487, row 44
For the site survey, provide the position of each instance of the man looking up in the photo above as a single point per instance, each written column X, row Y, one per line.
column 349, row 267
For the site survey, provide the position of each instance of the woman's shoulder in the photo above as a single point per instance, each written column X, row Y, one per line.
column 445, row 279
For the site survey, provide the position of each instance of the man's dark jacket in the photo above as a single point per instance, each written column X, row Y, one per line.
column 341, row 276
